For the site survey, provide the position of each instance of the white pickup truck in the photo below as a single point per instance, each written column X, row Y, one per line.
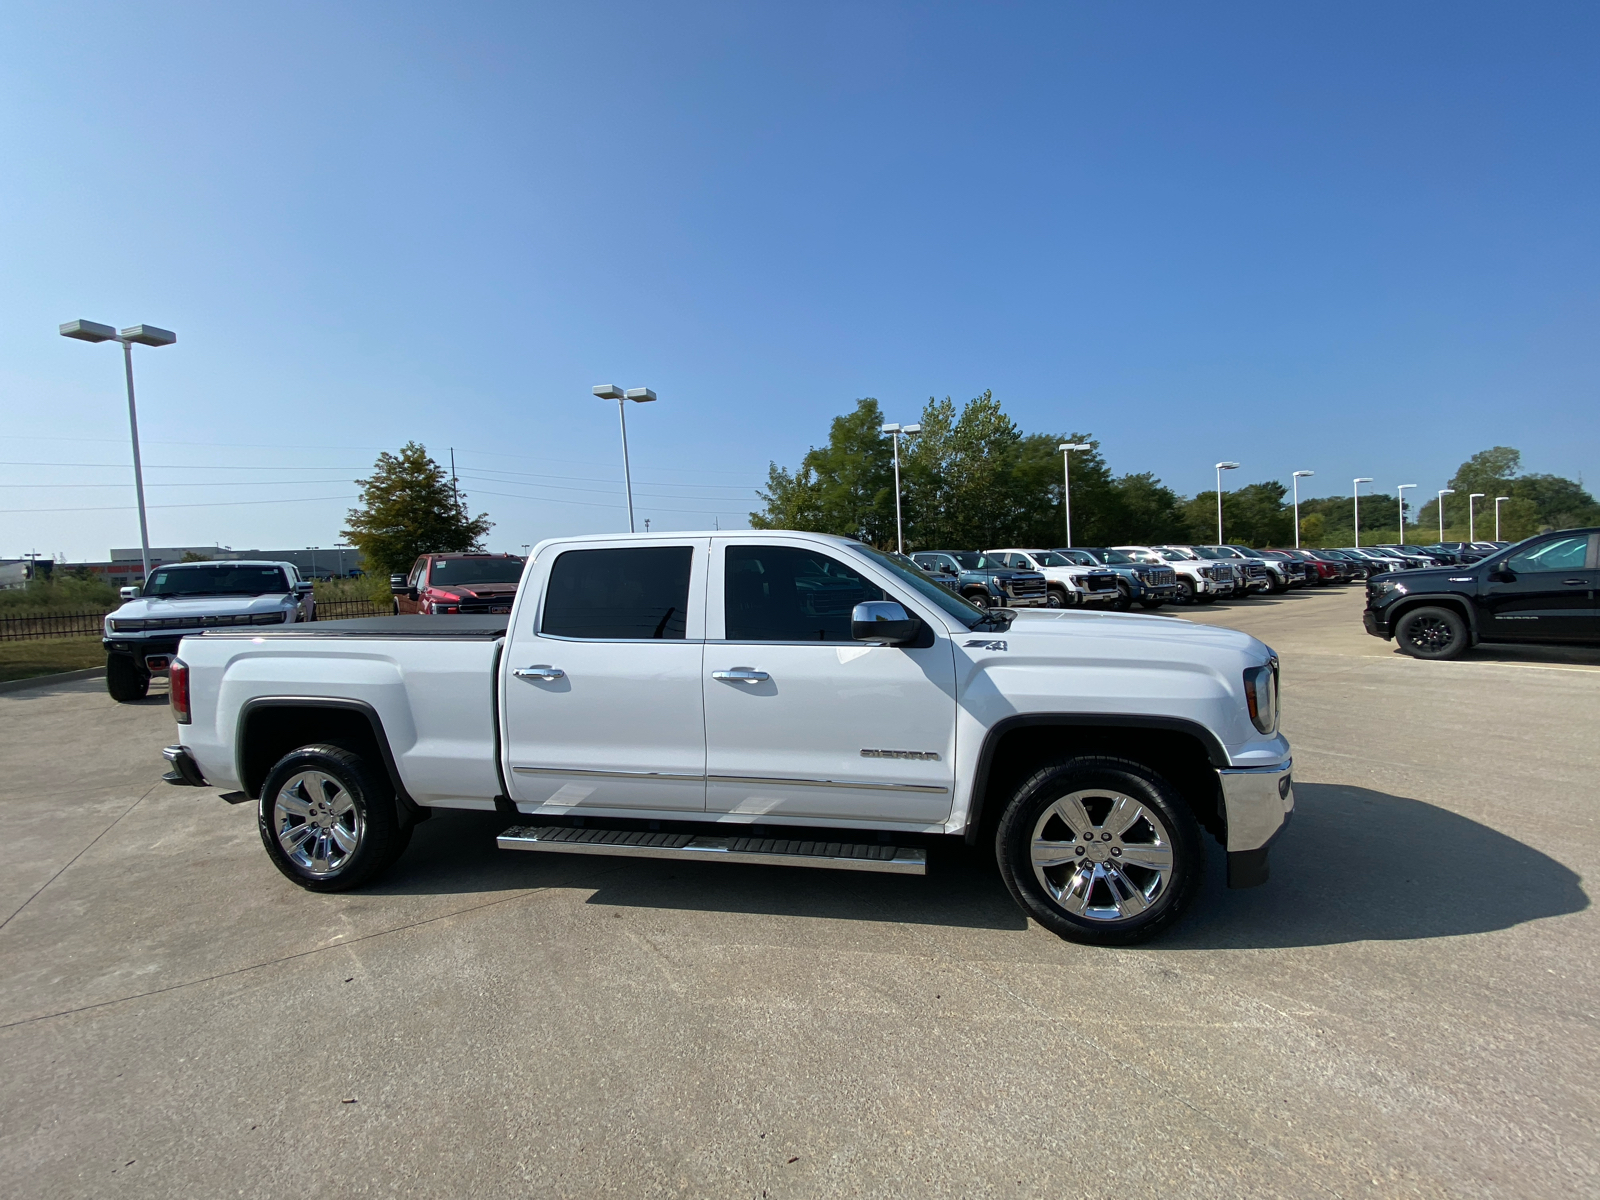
column 773, row 697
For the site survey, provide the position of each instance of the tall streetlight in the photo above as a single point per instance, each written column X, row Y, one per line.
column 1472, row 527
column 141, row 335
column 895, row 431
column 1221, row 467
column 1298, row 476
column 1360, row 479
column 1066, row 449
column 1401, row 490
column 610, row 391
column 1498, row 501
column 1443, row 492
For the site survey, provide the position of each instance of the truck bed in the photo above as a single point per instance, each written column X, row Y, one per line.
column 468, row 628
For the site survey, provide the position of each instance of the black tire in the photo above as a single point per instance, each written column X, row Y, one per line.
column 1057, row 597
column 1185, row 593
column 978, row 596
column 1144, row 899
column 396, row 608
column 1124, row 600
column 126, row 681
column 1432, row 633
column 1151, row 602
column 370, row 821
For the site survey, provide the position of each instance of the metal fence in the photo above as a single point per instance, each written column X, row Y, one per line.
column 91, row 623
column 333, row 610
column 52, row 625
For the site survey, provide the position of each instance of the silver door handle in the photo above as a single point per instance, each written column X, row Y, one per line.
column 1575, row 582
column 742, row 675
column 542, row 671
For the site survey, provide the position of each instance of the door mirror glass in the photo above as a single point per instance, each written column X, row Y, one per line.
column 882, row 621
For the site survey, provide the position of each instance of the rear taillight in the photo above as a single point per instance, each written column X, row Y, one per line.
column 178, row 694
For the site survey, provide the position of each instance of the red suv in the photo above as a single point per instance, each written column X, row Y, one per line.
column 458, row 583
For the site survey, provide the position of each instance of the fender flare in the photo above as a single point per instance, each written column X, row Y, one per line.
column 1216, row 753
column 1464, row 602
column 408, row 809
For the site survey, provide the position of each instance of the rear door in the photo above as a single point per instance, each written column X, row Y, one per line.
column 803, row 721
column 601, row 702
column 1545, row 592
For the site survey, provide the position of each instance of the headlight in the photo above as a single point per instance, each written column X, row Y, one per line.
column 1261, row 694
column 1382, row 587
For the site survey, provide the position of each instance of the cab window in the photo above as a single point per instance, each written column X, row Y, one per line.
column 1560, row 554
column 789, row 594
column 633, row 593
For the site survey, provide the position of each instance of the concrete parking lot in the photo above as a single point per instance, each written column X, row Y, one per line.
column 1409, row 1007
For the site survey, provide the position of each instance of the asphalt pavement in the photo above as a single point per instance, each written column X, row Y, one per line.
column 1408, row 1008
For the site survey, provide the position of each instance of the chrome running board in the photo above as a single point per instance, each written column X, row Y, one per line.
column 783, row 852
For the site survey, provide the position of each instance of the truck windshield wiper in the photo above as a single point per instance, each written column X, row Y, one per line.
column 999, row 619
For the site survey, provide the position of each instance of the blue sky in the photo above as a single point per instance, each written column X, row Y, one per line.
column 1356, row 239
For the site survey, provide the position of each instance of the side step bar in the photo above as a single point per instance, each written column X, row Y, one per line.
column 784, row 852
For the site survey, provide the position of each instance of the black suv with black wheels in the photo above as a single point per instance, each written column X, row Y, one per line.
column 1545, row 589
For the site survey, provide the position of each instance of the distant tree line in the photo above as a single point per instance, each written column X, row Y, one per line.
column 972, row 479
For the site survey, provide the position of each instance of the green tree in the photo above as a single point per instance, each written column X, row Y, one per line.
column 408, row 508
column 1254, row 515
column 1535, row 502
column 1143, row 510
column 845, row 487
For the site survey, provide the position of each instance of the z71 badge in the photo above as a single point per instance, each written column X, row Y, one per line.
column 986, row 645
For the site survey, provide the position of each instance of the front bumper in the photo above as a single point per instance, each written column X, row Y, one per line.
column 1372, row 621
column 1258, row 802
column 153, row 654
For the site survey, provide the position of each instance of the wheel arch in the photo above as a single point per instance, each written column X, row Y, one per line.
column 1184, row 752
column 271, row 726
column 1461, row 605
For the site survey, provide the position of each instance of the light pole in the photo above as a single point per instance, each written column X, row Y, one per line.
column 610, row 391
column 1298, row 476
column 1401, row 490
column 1472, row 527
column 1443, row 492
column 1066, row 449
column 142, row 335
column 1360, row 479
column 1221, row 467
column 894, row 431
column 1498, row 501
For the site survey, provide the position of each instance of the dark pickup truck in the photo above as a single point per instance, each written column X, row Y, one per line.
column 1540, row 590
column 987, row 581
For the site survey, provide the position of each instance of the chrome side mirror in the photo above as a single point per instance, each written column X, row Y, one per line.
column 304, row 588
column 883, row 621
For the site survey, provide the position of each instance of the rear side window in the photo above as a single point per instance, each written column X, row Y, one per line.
column 1562, row 554
column 786, row 594
column 634, row 593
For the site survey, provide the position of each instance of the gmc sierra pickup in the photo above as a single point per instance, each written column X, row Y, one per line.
column 774, row 697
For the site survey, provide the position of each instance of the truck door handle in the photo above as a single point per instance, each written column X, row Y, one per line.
column 1575, row 582
column 742, row 675
column 541, row 671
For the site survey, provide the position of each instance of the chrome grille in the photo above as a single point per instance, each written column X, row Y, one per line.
column 1023, row 589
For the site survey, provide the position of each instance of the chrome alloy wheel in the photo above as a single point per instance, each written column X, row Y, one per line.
column 316, row 822
column 1102, row 855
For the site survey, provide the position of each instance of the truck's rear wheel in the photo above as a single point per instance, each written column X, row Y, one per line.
column 1100, row 850
column 126, row 680
column 328, row 820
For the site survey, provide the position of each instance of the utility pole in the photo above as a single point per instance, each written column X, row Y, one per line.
column 454, row 490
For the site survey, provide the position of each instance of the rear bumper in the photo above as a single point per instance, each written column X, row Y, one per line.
column 1258, row 802
column 185, row 771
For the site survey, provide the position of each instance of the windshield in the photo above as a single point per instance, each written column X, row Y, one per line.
column 1176, row 556
column 1115, row 558
column 947, row 601
column 1081, row 558
column 216, row 579
column 476, row 570
column 1140, row 556
column 1214, row 552
column 972, row 561
column 1052, row 558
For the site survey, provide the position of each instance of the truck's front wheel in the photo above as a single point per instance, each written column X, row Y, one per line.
column 328, row 820
column 126, row 681
column 1100, row 850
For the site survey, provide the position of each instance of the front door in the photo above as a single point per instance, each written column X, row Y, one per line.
column 1544, row 593
column 803, row 721
column 601, row 692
